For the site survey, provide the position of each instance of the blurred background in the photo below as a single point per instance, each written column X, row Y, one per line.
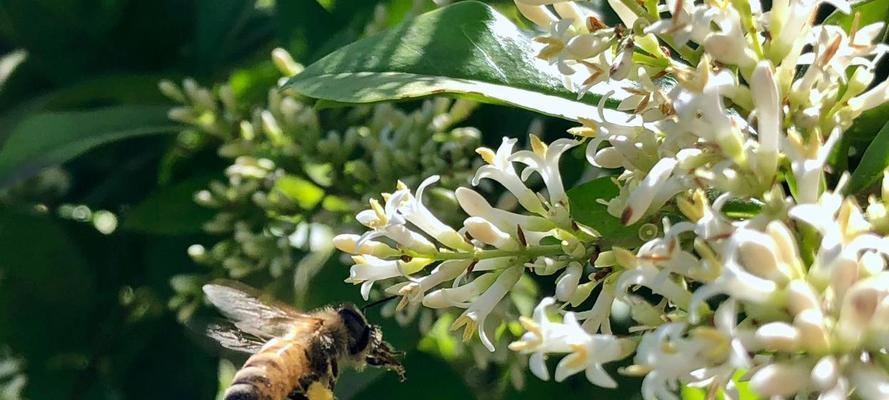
column 120, row 196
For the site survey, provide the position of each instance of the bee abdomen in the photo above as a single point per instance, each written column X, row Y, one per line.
column 271, row 374
column 240, row 391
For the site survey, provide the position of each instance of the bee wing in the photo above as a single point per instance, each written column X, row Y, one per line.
column 232, row 338
column 264, row 319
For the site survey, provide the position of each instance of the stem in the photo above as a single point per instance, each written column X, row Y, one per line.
column 530, row 252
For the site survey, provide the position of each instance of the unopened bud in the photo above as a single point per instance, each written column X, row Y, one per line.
column 825, row 373
column 801, row 297
column 348, row 243
column 567, row 283
column 814, row 337
column 778, row 336
column 779, row 380
column 285, row 63
column 759, row 255
column 481, row 229
column 172, row 91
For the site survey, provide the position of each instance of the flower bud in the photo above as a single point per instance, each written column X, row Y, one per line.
column 172, row 91
column 348, row 243
column 768, row 114
column 779, row 380
column 778, row 336
column 814, row 337
column 484, row 231
column 825, row 373
column 582, row 293
column 537, row 14
column 759, row 255
column 284, row 62
column 567, row 283
column 801, row 297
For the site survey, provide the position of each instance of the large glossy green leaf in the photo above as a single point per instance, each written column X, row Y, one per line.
column 52, row 138
column 467, row 49
column 873, row 162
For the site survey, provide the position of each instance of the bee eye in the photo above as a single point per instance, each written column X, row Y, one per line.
column 362, row 342
column 359, row 332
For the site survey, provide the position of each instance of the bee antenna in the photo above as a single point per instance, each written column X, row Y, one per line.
column 378, row 302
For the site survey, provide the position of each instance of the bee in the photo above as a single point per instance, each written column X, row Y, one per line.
column 295, row 355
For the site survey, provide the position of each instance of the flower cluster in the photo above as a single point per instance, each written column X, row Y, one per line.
column 293, row 179
column 765, row 271
column 12, row 376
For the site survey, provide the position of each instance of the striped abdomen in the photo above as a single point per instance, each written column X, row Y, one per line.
column 273, row 373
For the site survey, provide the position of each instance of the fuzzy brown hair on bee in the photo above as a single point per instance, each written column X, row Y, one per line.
column 295, row 355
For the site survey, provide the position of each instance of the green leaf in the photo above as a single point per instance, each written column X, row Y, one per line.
column 299, row 190
column 170, row 211
column 47, row 139
column 467, row 49
column 586, row 209
column 47, row 295
column 871, row 11
column 873, row 162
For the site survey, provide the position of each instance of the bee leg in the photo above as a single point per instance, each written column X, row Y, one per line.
column 333, row 372
column 324, row 367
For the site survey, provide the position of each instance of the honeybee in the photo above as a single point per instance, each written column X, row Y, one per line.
column 295, row 355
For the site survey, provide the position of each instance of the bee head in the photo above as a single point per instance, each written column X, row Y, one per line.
column 366, row 341
column 356, row 328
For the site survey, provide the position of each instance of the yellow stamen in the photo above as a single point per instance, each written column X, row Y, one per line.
column 537, row 145
column 487, row 154
column 379, row 211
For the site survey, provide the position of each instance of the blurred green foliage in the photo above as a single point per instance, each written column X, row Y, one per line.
column 84, row 298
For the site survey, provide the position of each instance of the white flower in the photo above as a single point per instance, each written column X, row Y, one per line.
column 413, row 210
column 390, row 224
column 544, row 159
column 807, row 161
column 669, row 358
column 586, row 352
column 728, row 45
column 369, row 269
column 687, row 22
column 644, row 195
column 414, row 291
column 473, row 319
column 499, row 168
column 700, row 109
column 769, row 116
column 475, row 205
column 459, row 296
column 752, row 271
